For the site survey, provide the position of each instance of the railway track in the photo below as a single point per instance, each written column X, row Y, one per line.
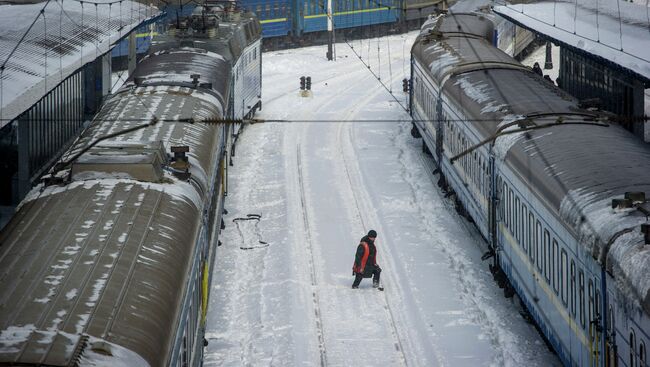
column 355, row 181
column 314, row 278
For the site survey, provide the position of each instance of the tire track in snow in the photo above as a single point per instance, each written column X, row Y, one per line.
column 314, row 282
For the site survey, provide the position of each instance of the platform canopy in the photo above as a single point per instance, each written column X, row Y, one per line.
column 43, row 43
column 615, row 31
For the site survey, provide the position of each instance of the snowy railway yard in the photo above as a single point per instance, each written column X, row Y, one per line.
column 306, row 185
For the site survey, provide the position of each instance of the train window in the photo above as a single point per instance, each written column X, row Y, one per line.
column 563, row 275
column 511, row 216
column 642, row 354
column 508, row 197
column 521, row 222
column 555, row 266
column 590, row 307
column 462, row 149
column 581, row 297
column 632, row 348
column 573, row 288
column 597, row 304
column 547, row 245
column 610, row 319
column 531, row 232
column 538, row 245
column 515, row 220
column 524, row 234
column 185, row 355
column 502, row 195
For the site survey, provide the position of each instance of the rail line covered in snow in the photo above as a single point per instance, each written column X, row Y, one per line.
column 345, row 163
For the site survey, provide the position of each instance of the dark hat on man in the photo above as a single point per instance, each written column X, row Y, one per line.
column 372, row 233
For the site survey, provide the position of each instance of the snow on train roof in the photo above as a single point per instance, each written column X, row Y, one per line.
column 576, row 169
column 71, row 252
column 65, row 37
column 614, row 31
column 614, row 232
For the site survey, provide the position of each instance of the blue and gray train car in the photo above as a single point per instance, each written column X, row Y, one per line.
column 560, row 192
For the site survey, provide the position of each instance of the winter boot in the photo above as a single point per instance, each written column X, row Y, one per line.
column 375, row 283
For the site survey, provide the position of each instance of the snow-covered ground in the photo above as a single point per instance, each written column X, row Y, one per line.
column 118, row 78
column 342, row 163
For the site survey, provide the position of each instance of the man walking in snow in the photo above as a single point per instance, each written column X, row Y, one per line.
column 365, row 261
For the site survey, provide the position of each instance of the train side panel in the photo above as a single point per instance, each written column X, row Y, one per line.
column 346, row 14
column 275, row 16
column 248, row 81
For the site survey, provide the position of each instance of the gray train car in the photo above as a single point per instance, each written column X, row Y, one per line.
column 558, row 191
column 108, row 261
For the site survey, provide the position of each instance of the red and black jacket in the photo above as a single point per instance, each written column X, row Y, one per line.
column 365, row 261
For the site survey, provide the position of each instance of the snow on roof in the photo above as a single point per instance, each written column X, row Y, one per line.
column 615, row 31
column 65, row 35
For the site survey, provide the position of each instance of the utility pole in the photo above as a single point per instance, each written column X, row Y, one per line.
column 549, row 57
column 330, row 32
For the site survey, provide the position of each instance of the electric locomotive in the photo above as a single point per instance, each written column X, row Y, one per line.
column 558, row 191
column 108, row 261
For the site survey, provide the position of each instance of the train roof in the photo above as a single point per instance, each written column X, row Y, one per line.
column 95, row 266
column 111, row 249
column 101, row 259
column 575, row 162
column 228, row 36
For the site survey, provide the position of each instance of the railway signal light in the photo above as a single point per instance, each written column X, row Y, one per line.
column 405, row 85
column 308, row 83
column 302, row 83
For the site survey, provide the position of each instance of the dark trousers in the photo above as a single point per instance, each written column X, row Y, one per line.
column 375, row 277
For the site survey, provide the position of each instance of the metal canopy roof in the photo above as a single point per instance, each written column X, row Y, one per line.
column 58, row 37
column 617, row 35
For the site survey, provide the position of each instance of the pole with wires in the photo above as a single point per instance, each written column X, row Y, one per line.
column 330, row 32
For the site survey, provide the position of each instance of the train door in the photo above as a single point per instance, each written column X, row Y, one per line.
column 439, row 128
column 611, row 353
column 595, row 329
column 495, row 202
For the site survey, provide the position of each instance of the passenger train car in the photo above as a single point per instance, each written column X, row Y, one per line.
column 108, row 261
column 290, row 20
column 559, row 192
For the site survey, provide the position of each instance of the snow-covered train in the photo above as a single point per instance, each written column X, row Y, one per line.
column 559, row 192
column 108, row 261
